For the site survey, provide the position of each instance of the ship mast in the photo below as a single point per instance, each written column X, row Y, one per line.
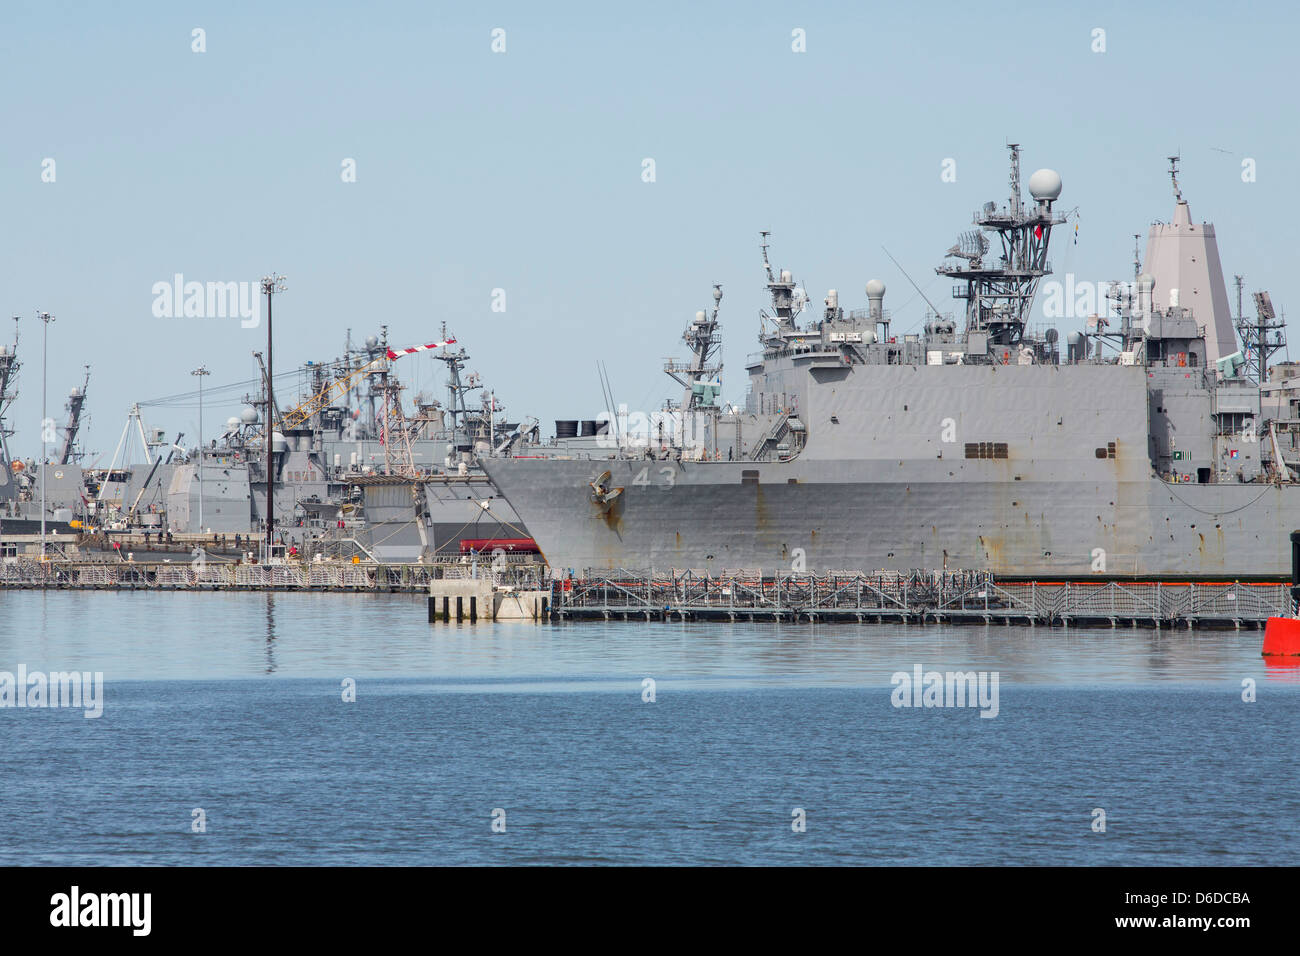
column 9, row 366
column 786, row 303
column 456, row 390
column 75, row 403
column 1000, row 294
column 1255, row 339
column 700, row 376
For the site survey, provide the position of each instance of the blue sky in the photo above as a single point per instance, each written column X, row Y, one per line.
column 522, row 171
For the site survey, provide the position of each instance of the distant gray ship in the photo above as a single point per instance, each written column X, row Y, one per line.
column 354, row 473
column 1153, row 445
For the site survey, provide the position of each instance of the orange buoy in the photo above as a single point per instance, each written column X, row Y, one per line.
column 1282, row 634
column 1281, row 637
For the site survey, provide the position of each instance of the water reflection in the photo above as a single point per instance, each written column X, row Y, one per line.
column 270, row 632
column 146, row 635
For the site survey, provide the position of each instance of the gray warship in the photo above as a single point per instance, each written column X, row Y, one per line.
column 354, row 473
column 1155, row 442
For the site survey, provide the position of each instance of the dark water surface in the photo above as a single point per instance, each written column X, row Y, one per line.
column 233, row 703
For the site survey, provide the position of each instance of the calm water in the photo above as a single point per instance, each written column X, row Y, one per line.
column 233, row 704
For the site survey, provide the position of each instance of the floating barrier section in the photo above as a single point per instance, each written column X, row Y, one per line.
column 917, row 597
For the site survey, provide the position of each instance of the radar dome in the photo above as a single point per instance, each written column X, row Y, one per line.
column 232, row 422
column 875, row 287
column 1045, row 184
column 248, row 414
column 372, row 342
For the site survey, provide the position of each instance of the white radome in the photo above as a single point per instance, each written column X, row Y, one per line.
column 875, row 287
column 1045, row 184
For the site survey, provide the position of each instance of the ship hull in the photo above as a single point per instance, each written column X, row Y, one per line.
column 869, row 515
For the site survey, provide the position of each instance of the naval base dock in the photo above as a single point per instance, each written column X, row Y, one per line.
column 473, row 591
column 917, row 597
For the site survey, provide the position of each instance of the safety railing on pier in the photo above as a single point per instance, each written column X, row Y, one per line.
column 324, row 576
column 916, row 596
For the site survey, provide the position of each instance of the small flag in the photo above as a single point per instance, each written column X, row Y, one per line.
column 1232, row 453
column 1038, row 232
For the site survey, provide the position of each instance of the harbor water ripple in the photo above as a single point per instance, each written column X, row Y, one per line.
column 234, row 704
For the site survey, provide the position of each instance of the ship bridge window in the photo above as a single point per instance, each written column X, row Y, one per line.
column 986, row 449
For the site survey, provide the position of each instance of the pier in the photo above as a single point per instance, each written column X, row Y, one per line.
column 323, row 576
column 478, row 591
column 917, row 597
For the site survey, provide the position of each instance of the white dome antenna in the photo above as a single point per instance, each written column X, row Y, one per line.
column 1045, row 185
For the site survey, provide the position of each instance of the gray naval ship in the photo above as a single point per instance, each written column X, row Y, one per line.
column 353, row 472
column 1149, row 443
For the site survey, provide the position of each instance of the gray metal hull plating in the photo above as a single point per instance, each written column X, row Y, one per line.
column 887, row 481
column 871, row 517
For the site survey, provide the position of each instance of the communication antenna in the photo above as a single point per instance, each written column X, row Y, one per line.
column 933, row 307
column 1015, row 178
column 766, row 264
column 1173, row 174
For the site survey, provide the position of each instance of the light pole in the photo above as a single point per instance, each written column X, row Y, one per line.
column 270, row 285
column 46, row 319
column 200, row 372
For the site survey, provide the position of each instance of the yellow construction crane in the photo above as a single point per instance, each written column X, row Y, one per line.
column 341, row 386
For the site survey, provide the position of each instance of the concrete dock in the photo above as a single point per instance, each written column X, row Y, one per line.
column 475, row 598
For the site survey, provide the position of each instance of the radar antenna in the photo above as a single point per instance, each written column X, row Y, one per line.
column 970, row 245
column 1255, row 341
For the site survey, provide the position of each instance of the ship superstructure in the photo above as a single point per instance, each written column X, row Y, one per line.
column 1140, row 448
